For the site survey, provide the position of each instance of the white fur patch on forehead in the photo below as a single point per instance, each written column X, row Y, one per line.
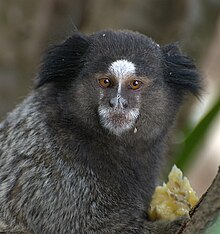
column 122, row 68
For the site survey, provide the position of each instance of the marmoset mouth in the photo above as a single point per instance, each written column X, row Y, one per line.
column 118, row 121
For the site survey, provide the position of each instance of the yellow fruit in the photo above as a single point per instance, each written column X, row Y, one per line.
column 174, row 199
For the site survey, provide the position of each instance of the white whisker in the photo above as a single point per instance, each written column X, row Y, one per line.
column 118, row 121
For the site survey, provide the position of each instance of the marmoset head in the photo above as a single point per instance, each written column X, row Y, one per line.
column 120, row 81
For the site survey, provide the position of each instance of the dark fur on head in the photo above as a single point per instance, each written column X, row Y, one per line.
column 64, row 61
column 76, row 157
column 180, row 71
column 81, row 57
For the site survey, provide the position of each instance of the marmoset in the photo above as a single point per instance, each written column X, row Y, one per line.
column 83, row 152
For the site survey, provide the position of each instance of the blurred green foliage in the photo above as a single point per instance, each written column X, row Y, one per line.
column 214, row 228
column 186, row 150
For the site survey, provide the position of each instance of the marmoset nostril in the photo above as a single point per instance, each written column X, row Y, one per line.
column 118, row 102
column 124, row 103
column 113, row 102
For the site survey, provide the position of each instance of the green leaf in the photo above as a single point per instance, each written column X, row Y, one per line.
column 195, row 138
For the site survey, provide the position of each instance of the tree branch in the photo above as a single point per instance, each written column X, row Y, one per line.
column 205, row 214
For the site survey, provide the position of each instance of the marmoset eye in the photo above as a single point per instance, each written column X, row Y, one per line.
column 105, row 82
column 135, row 84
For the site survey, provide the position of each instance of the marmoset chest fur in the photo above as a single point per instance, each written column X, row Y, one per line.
column 82, row 153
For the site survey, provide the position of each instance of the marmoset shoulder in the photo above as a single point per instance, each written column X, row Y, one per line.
column 83, row 152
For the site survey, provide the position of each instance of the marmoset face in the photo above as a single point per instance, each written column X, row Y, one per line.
column 123, row 76
column 121, row 81
column 120, row 96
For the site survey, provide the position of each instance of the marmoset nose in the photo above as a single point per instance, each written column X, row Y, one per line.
column 118, row 102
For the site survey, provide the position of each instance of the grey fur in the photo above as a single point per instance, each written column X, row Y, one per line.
column 62, row 172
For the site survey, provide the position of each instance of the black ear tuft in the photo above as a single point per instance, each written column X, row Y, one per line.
column 63, row 61
column 180, row 71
